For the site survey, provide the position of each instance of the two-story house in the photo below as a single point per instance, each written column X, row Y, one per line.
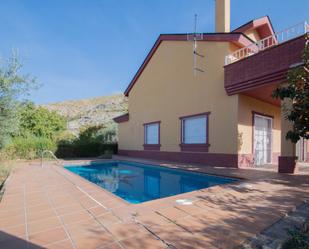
column 206, row 98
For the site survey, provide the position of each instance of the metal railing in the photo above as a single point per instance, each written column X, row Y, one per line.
column 270, row 41
column 51, row 153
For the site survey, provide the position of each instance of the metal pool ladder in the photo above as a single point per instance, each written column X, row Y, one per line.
column 51, row 153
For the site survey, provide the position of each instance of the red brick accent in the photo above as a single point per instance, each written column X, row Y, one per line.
column 275, row 157
column 287, row 164
column 194, row 147
column 245, row 161
column 152, row 146
column 122, row 118
column 266, row 67
column 209, row 159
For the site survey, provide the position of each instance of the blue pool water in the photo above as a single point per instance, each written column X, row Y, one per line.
column 136, row 183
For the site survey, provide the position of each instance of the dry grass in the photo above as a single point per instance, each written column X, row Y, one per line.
column 6, row 166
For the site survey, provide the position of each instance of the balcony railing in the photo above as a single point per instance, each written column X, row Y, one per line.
column 270, row 41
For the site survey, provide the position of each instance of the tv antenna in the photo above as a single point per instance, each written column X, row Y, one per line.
column 194, row 37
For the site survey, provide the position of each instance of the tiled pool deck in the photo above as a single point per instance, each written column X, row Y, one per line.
column 51, row 207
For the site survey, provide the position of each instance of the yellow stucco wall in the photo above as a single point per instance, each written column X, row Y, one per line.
column 253, row 35
column 245, row 108
column 167, row 90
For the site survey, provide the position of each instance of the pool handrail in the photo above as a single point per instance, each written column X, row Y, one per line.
column 51, row 153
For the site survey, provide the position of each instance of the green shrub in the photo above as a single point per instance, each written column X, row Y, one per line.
column 67, row 149
column 29, row 147
column 40, row 122
column 299, row 239
column 93, row 141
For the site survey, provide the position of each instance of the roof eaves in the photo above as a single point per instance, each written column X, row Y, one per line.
column 171, row 37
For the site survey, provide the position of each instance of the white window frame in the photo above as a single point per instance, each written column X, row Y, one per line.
column 145, row 133
column 183, row 124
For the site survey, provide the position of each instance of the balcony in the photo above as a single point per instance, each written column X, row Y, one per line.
column 268, row 42
column 257, row 73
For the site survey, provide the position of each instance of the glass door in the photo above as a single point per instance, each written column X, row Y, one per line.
column 262, row 139
column 301, row 150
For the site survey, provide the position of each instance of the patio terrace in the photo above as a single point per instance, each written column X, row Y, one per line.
column 51, row 207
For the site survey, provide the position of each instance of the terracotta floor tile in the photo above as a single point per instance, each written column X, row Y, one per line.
column 42, row 225
column 108, row 219
column 11, row 191
column 152, row 220
column 114, row 203
column 189, row 241
column 64, row 244
column 12, row 195
column 93, row 240
column 38, row 208
column 4, row 213
column 98, row 210
column 195, row 225
column 86, row 202
column 69, row 209
column 189, row 209
column 35, row 196
column 125, row 230
column 11, row 206
column 173, row 213
column 33, row 204
column 157, row 204
column 12, row 221
column 180, row 238
column 14, row 200
column 112, row 246
column 75, row 217
column 89, row 226
column 228, row 210
column 63, row 203
column 124, row 214
column 143, row 241
column 35, row 216
column 48, row 236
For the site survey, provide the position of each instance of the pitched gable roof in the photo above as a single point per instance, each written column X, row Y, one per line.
column 235, row 37
column 262, row 25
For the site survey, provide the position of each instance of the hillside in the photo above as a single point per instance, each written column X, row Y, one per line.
column 94, row 111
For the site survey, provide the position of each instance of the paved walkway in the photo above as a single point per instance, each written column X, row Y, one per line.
column 53, row 208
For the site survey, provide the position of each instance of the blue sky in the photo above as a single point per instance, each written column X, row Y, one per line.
column 87, row 48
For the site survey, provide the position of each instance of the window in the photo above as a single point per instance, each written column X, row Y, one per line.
column 194, row 133
column 152, row 135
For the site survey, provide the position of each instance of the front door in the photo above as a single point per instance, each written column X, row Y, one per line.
column 262, row 139
column 301, row 150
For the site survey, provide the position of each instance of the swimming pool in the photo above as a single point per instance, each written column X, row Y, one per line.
column 137, row 183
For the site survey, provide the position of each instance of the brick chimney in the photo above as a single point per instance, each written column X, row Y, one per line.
column 222, row 16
